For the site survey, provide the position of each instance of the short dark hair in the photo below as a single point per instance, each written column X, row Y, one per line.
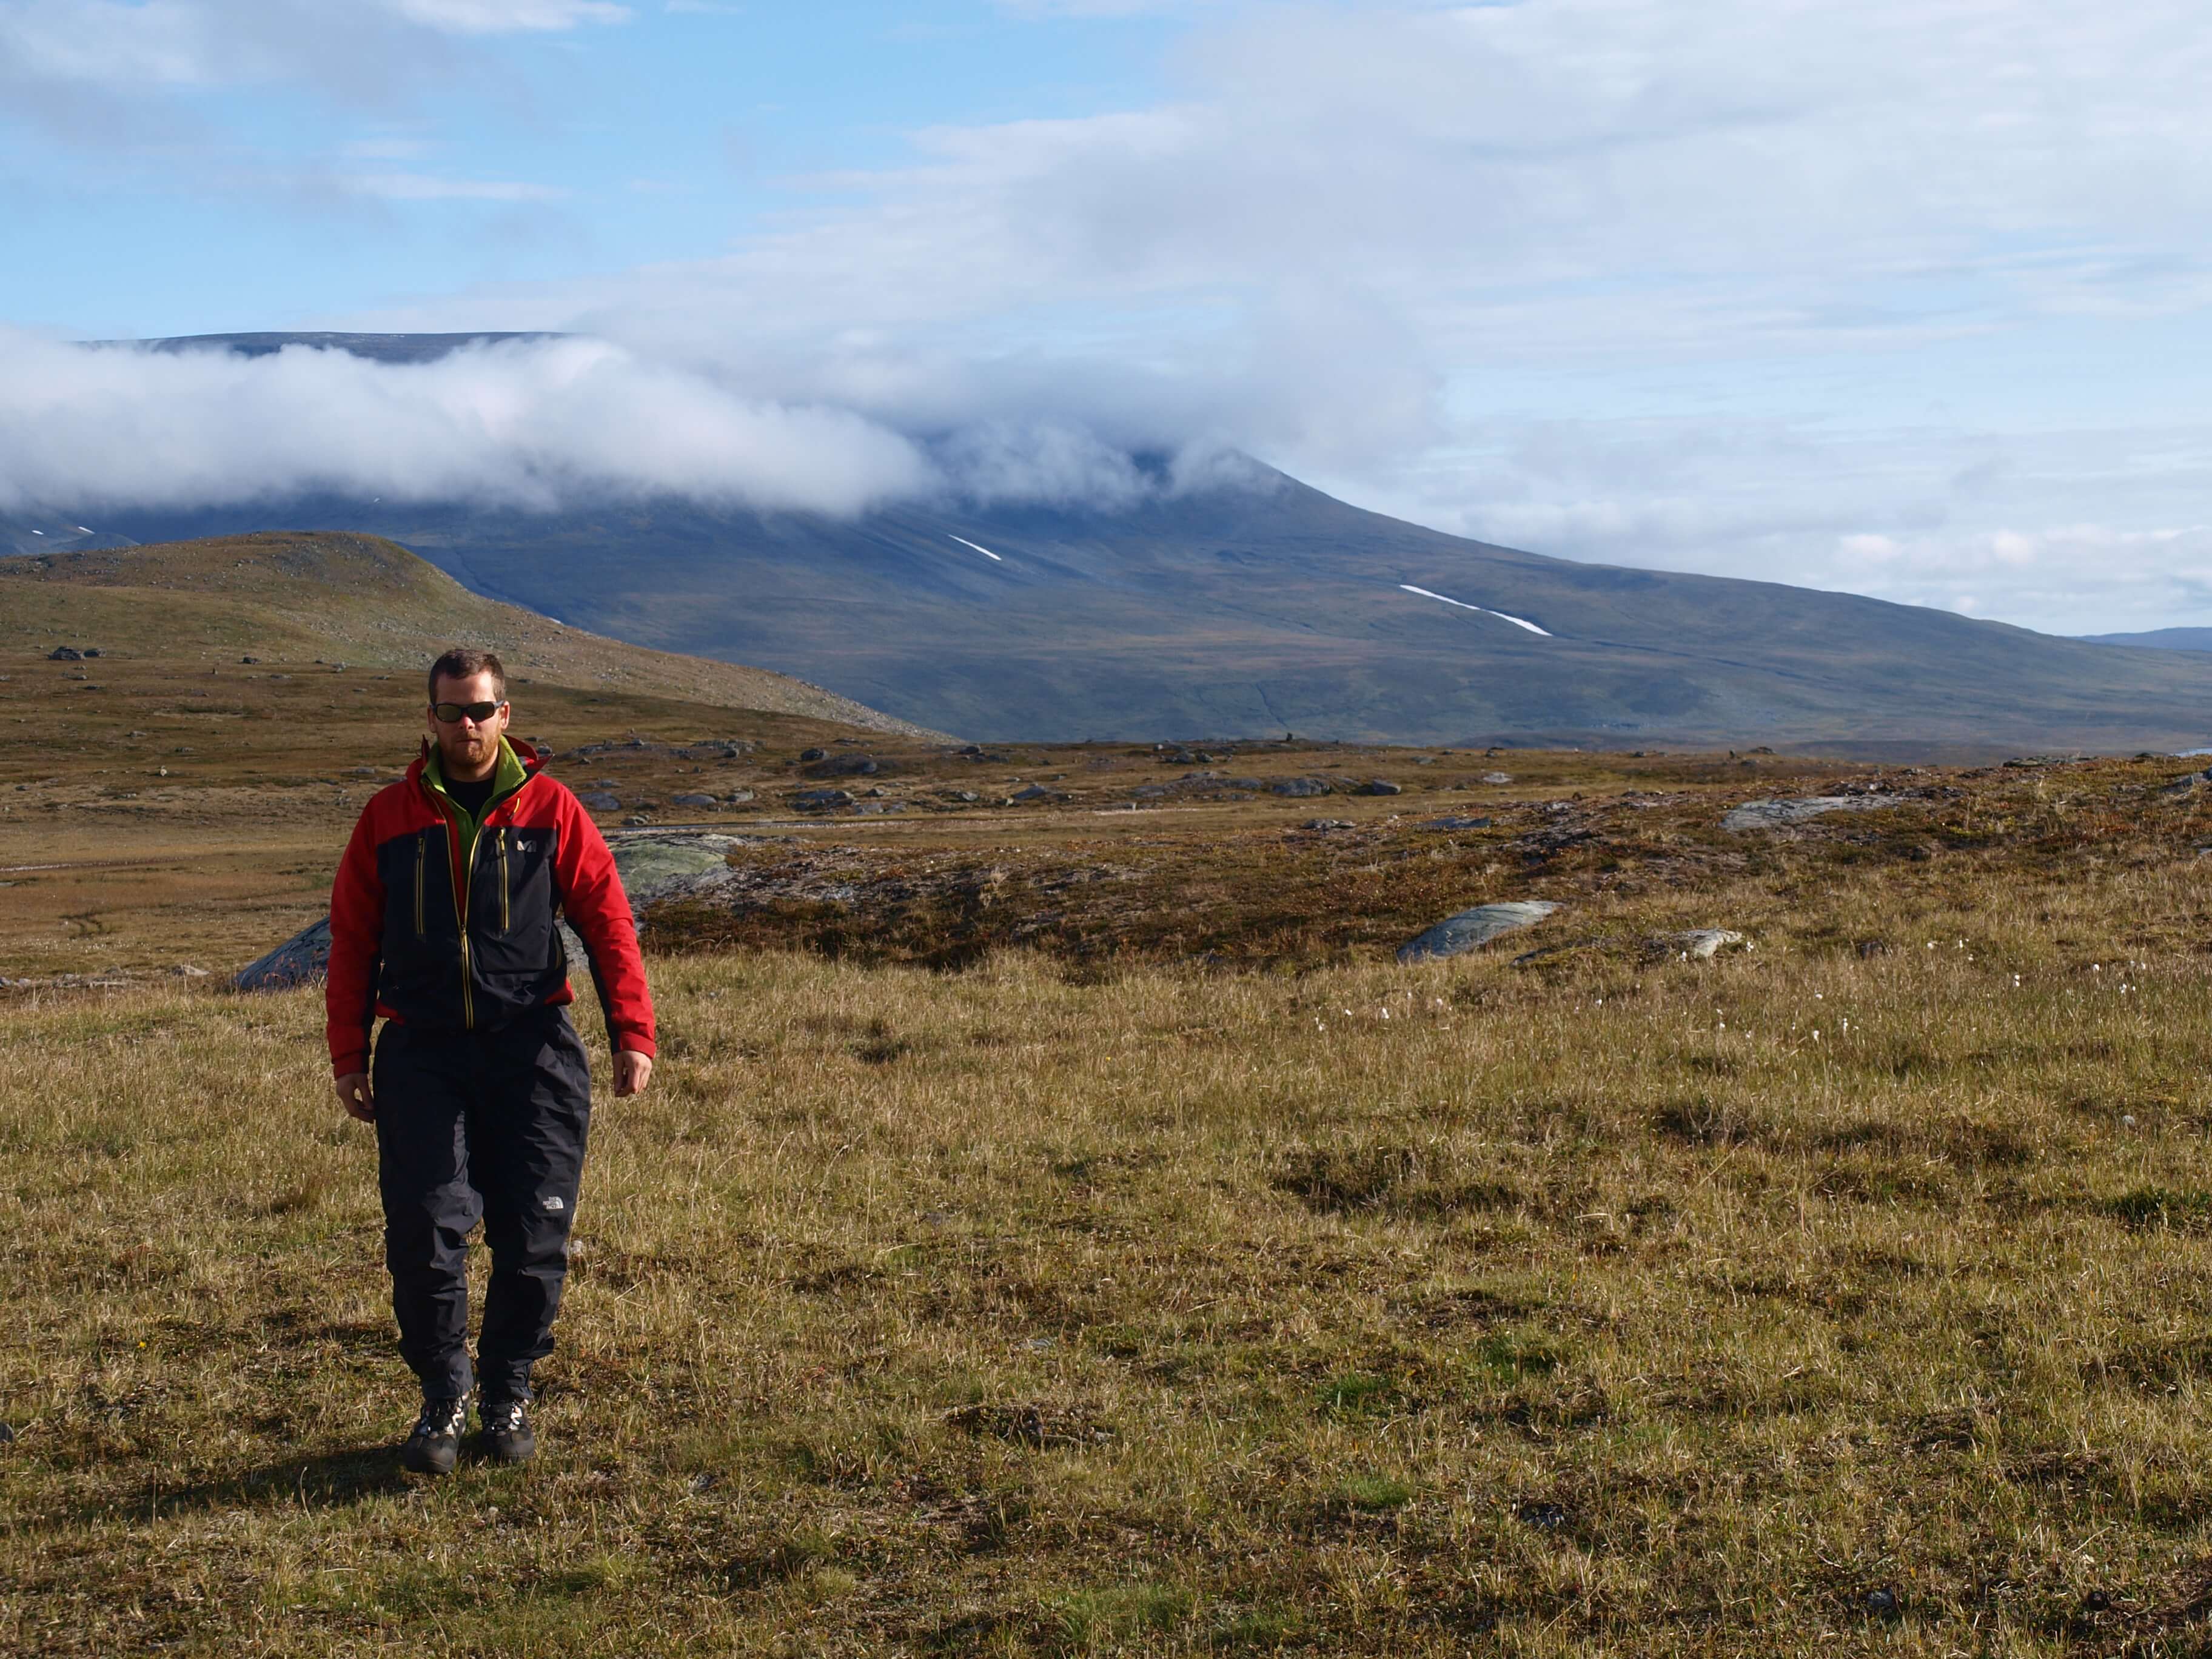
column 466, row 662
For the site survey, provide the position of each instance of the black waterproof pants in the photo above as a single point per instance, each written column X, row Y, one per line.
column 475, row 1126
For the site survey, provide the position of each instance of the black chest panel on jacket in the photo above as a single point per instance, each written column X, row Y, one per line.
column 511, row 959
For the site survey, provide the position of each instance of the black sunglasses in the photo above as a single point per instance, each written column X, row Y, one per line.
column 451, row 714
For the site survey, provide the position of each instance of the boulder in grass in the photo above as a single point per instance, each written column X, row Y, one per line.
column 695, row 800
column 1701, row 944
column 600, row 801
column 821, row 800
column 1470, row 928
column 1379, row 787
column 64, row 653
column 1301, row 787
column 302, row 959
column 1774, row 814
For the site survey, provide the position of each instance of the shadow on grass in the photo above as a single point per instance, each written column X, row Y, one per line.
column 324, row 1481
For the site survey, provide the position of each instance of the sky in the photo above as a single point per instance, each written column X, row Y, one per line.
column 1902, row 297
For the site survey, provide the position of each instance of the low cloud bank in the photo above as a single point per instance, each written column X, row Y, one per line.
column 534, row 424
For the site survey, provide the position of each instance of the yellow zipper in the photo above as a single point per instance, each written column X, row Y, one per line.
column 506, row 923
column 461, row 915
column 422, row 858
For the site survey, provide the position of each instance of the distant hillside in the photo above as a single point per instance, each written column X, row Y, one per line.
column 2158, row 639
column 367, row 601
column 1258, row 607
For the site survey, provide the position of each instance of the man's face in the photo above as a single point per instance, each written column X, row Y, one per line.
column 467, row 748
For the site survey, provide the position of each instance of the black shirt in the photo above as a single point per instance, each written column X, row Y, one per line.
column 470, row 797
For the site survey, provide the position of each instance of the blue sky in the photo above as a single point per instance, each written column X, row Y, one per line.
column 1905, row 298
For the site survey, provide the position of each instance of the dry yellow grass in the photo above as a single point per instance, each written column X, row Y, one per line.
column 1800, row 1301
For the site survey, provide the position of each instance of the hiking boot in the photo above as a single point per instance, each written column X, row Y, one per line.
column 435, row 1444
column 507, row 1436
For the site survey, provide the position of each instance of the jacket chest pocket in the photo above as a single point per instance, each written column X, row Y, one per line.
column 512, row 899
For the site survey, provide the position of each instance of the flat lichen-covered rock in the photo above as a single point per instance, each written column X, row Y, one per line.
column 1773, row 814
column 1471, row 928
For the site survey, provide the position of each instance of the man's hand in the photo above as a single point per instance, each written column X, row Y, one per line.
column 356, row 1096
column 631, row 1070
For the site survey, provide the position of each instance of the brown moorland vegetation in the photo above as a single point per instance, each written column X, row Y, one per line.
column 1166, row 1269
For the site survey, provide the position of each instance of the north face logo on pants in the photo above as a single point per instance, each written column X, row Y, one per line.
column 552, row 1203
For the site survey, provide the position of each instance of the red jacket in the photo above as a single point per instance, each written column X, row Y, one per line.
column 418, row 938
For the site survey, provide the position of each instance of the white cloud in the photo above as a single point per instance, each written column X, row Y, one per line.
column 141, row 46
column 508, row 17
column 157, row 42
column 534, row 424
column 528, row 423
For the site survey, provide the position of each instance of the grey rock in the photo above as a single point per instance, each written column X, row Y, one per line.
column 845, row 766
column 1497, row 777
column 2187, row 786
column 1328, row 823
column 807, row 757
column 738, row 797
column 600, row 802
column 821, row 800
column 1245, row 783
column 968, row 796
column 1038, row 792
column 653, row 866
column 302, row 959
column 637, row 821
column 1379, row 787
column 64, row 653
column 1774, row 814
column 693, row 800
column 186, row 970
column 1460, row 823
column 1701, row 944
column 1471, row 928
column 1301, row 787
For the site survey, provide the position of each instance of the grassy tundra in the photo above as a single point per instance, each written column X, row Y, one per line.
column 1061, row 1229
column 1802, row 1299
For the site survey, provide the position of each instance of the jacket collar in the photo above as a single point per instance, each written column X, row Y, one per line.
column 511, row 750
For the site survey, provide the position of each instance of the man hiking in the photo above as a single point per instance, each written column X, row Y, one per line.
column 442, row 922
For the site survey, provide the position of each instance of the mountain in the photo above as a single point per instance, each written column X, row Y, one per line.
column 336, row 598
column 2158, row 639
column 1259, row 605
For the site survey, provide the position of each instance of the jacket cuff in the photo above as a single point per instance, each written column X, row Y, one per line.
column 634, row 1042
column 347, row 1065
